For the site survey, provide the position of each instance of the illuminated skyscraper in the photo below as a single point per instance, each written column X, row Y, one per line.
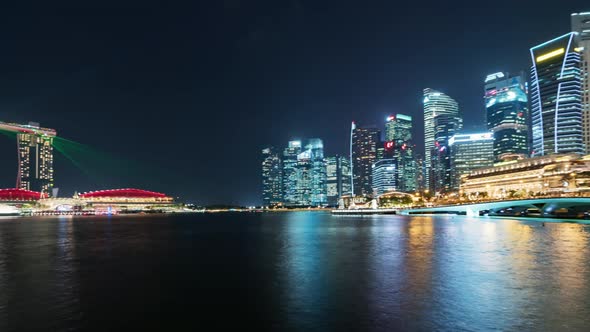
column 290, row 174
column 337, row 178
column 364, row 144
column 272, row 177
column 556, row 97
column 304, row 174
column 441, row 121
column 318, row 195
column 470, row 152
column 581, row 25
column 398, row 128
column 384, row 178
column 399, row 147
column 507, row 114
column 35, row 156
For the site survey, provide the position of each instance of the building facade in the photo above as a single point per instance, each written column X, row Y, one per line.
column 290, row 173
column 441, row 173
column 35, row 156
column 441, row 120
column 364, row 145
column 384, row 176
column 398, row 146
column 272, row 177
column 317, row 177
column 470, row 152
column 581, row 25
column 337, row 178
column 507, row 114
column 398, row 128
column 556, row 97
column 538, row 176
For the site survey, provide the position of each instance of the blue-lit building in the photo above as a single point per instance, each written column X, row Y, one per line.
column 442, row 120
column 384, row 177
column 581, row 25
column 304, row 174
column 291, row 174
column 556, row 97
column 272, row 177
column 507, row 115
column 317, row 178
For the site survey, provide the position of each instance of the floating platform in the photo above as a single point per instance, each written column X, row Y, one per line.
column 363, row 211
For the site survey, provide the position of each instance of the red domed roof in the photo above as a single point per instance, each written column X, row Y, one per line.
column 127, row 192
column 15, row 194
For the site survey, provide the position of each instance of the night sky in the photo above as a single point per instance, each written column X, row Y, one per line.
column 181, row 99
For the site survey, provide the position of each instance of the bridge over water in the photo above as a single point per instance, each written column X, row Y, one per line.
column 543, row 204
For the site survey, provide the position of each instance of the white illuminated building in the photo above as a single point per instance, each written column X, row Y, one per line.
column 470, row 152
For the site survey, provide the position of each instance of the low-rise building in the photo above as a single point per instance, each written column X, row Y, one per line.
column 554, row 175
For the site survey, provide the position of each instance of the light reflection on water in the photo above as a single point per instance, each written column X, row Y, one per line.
column 294, row 271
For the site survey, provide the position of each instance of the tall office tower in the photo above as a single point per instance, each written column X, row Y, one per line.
column 384, row 178
column 507, row 114
column 441, row 178
column 35, row 156
column 436, row 104
column 272, row 177
column 303, row 178
column 398, row 132
column 337, row 178
column 364, row 145
column 421, row 185
column 581, row 25
column 556, row 97
column 317, row 179
column 290, row 173
column 398, row 128
column 470, row 152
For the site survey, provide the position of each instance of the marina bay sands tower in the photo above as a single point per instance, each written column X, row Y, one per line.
column 35, row 156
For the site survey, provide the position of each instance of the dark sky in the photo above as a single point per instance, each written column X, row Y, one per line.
column 187, row 95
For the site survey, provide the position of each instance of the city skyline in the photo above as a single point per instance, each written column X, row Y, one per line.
column 58, row 92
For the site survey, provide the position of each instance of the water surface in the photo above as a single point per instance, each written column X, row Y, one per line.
column 296, row 271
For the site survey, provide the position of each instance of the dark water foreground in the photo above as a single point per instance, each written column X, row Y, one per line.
column 293, row 271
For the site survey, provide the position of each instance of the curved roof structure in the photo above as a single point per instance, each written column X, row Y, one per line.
column 126, row 192
column 15, row 194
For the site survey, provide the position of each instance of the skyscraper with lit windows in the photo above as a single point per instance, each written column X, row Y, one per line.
column 337, row 178
column 364, row 145
column 581, row 25
column 272, row 177
column 470, row 152
column 556, row 97
column 441, row 121
column 399, row 147
column 290, row 173
column 507, row 114
column 35, row 156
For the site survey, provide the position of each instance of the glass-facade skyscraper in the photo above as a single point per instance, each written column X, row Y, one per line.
column 399, row 147
column 272, row 177
column 507, row 114
column 556, row 97
column 470, row 152
column 398, row 128
column 581, row 25
column 384, row 177
column 441, row 121
column 290, row 173
column 337, row 178
column 317, row 176
column 364, row 145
